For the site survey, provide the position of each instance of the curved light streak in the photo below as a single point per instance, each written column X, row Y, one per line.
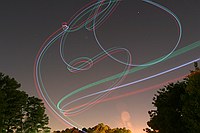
column 69, row 112
column 133, row 70
column 162, row 59
column 94, row 31
column 97, row 16
column 131, row 83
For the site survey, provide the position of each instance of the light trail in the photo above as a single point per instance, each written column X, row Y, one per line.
column 91, row 17
column 131, row 83
column 133, row 70
column 69, row 112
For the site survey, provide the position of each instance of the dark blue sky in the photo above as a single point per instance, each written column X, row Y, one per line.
column 146, row 31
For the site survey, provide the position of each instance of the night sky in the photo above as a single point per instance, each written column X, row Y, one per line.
column 145, row 30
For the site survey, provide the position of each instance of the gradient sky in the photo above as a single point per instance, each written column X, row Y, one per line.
column 146, row 31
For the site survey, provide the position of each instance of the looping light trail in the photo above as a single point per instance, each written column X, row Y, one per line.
column 91, row 17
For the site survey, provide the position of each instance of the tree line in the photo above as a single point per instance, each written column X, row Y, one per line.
column 100, row 128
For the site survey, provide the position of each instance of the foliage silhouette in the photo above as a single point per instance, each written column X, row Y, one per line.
column 177, row 106
column 100, row 128
column 18, row 112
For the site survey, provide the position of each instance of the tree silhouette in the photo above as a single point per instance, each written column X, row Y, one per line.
column 17, row 110
column 35, row 117
column 191, row 102
column 177, row 107
column 11, row 101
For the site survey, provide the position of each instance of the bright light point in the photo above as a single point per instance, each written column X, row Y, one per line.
column 65, row 26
